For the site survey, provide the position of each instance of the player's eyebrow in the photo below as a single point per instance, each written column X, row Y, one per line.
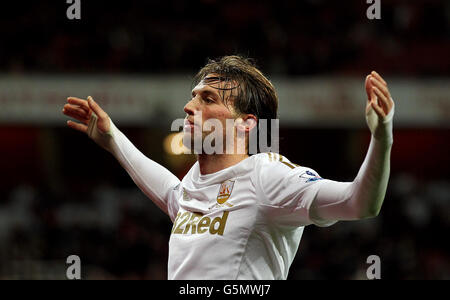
column 230, row 85
column 210, row 93
column 206, row 93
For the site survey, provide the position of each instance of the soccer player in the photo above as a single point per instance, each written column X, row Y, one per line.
column 241, row 216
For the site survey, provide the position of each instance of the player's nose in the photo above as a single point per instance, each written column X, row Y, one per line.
column 190, row 107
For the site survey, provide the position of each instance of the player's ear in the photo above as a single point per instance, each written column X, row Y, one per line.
column 250, row 122
column 246, row 122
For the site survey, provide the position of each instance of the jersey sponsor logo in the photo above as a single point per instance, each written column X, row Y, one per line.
column 309, row 176
column 195, row 223
column 225, row 192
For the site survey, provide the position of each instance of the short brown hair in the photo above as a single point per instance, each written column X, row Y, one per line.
column 255, row 93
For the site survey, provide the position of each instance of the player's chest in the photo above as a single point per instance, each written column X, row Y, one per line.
column 218, row 209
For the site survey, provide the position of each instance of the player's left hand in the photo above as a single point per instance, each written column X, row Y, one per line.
column 379, row 107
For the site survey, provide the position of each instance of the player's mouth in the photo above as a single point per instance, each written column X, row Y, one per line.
column 188, row 125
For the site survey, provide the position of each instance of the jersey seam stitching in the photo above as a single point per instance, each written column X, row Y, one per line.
column 250, row 231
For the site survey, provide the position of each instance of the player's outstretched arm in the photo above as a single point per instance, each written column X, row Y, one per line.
column 363, row 197
column 153, row 179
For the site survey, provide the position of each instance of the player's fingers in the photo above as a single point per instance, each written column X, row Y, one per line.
column 380, row 86
column 368, row 86
column 378, row 76
column 391, row 102
column 77, row 126
column 384, row 89
column 77, row 101
column 377, row 109
column 78, row 118
column 76, row 115
column 382, row 100
column 77, row 109
column 97, row 109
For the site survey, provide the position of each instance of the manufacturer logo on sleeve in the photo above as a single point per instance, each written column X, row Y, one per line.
column 309, row 176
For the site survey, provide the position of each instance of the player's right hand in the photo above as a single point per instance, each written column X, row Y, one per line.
column 83, row 110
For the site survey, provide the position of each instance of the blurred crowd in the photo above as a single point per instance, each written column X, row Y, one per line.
column 285, row 37
column 116, row 233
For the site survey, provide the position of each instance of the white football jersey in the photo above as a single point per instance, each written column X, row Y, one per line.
column 246, row 221
column 243, row 222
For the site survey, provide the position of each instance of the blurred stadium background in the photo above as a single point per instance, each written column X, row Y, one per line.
column 60, row 194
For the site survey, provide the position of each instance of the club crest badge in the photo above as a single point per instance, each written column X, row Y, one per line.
column 185, row 195
column 225, row 192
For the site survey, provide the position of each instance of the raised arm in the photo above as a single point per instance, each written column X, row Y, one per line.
column 363, row 197
column 153, row 179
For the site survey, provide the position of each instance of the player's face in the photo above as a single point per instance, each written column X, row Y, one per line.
column 213, row 100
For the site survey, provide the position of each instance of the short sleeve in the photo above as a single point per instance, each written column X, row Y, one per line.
column 287, row 191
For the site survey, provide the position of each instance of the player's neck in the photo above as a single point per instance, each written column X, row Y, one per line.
column 213, row 163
